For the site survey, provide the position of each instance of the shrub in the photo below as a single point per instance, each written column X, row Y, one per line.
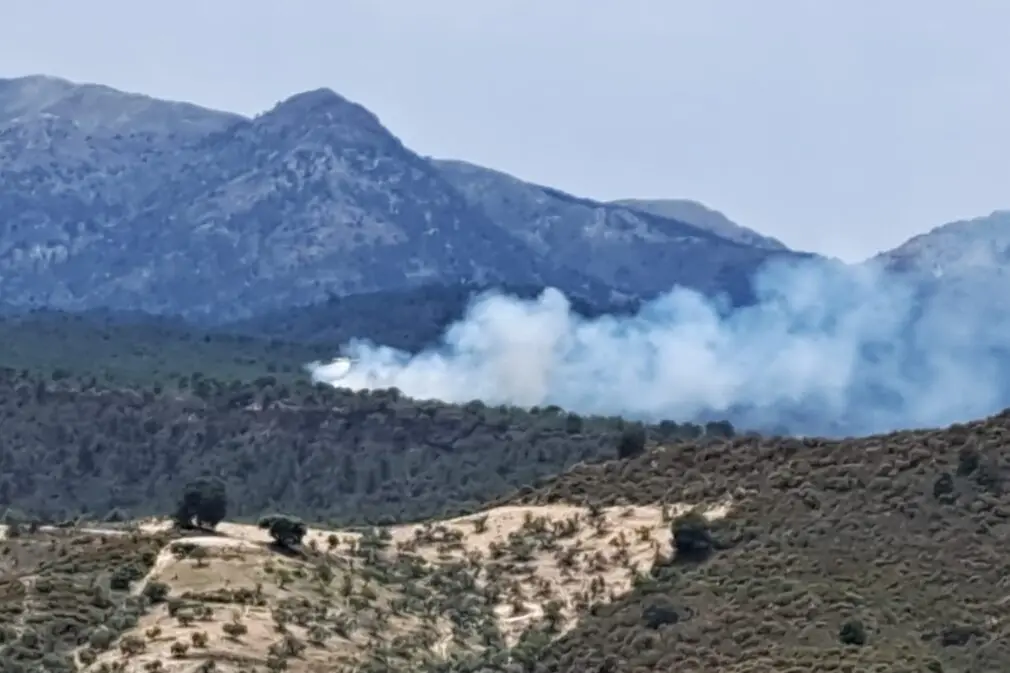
column 659, row 611
column 156, row 592
column 100, row 638
column 234, row 629
column 632, row 442
column 287, row 531
column 204, row 502
column 691, row 536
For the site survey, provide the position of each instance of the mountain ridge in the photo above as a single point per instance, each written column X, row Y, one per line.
column 124, row 201
column 703, row 216
column 229, row 216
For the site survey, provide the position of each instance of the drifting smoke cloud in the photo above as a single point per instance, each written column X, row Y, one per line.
column 826, row 349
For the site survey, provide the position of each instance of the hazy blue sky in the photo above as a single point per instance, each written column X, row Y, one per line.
column 841, row 127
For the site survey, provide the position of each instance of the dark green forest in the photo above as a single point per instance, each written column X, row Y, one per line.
column 72, row 447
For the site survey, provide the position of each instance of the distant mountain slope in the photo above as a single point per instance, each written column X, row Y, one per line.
column 966, row 263
column 961, row 271
column 628, row 248
column 117, row 200
column 963, row 248
column 310, row 198
column 411, row 320
column 101, row 110
column 703, row 217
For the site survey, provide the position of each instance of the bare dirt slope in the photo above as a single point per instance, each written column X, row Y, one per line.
column 411, row 594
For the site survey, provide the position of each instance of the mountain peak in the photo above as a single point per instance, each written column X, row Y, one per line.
column 322, row 106
column 316, row 97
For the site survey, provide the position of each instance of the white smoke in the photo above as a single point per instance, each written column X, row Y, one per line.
column 826, row 349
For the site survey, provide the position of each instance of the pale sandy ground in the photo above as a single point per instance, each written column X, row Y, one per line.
column 238, row 555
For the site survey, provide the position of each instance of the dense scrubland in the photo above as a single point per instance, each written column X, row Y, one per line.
column 71, row 447
column 399, row 535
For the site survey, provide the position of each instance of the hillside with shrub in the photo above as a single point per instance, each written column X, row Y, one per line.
column 71, row 446
column 883, row 553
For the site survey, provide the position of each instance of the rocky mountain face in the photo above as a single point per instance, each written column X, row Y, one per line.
column 631, row 248
column 957, row 249
column 962, row 270
column 703, row 217
column 117, row 200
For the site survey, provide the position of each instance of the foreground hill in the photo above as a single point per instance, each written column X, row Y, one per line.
column 449, row 595
column 881, row 554
column 119, row 200
column 884, row 554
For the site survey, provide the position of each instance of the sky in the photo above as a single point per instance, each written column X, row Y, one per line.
column 838, row 127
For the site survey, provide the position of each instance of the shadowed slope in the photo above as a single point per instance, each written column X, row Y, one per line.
column 902, row 536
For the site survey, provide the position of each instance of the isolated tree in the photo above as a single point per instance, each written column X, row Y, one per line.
column 204, row 503
column 722, row 429
column 852, row 632
column 658, row 611
column 691, row 536
column 632, row 442
column 287, row 531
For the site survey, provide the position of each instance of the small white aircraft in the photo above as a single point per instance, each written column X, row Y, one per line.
column 335, row 369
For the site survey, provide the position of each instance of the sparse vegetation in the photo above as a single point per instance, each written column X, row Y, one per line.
column 58, row 593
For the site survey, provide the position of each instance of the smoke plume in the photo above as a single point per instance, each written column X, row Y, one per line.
column 826, row 349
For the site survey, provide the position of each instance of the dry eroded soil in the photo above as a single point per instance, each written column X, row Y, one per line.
column 409, row 595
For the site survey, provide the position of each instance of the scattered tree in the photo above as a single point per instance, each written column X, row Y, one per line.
column 692, row 537
column 632, row 442
column 287, row 531
column 204, row 503
column 852, row 632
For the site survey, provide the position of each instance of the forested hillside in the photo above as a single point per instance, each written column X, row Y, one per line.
column 144, row 350
column 73, row 446
column 409, row 320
